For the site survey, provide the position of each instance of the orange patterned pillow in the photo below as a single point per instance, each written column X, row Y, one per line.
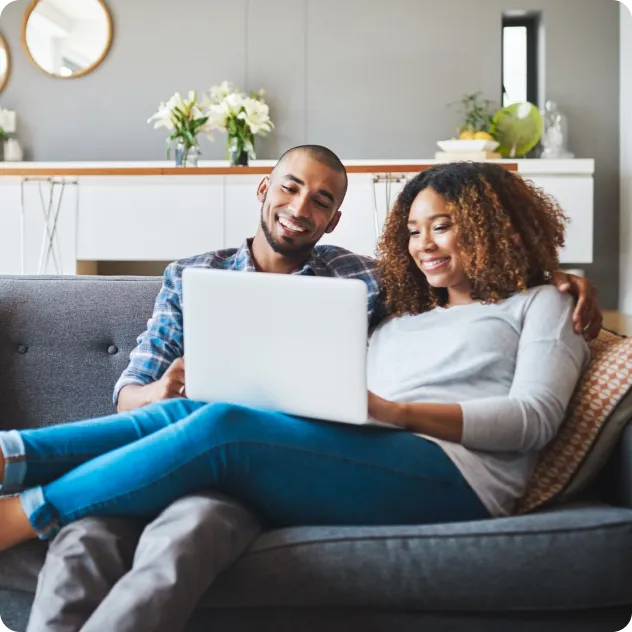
column 599, row 411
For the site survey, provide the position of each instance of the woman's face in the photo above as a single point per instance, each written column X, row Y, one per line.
column 433, row 242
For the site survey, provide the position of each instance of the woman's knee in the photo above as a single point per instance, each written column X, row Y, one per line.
column 227, row 423
column 174, row 409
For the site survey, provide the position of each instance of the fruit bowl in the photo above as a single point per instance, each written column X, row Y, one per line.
column 455, row 146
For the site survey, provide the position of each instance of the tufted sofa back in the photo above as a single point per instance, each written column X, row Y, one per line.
column 64, row 341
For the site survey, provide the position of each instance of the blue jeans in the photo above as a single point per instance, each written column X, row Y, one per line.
column 292, row 471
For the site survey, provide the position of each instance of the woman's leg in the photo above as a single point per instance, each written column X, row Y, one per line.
column 36, row 457
column 293, row 471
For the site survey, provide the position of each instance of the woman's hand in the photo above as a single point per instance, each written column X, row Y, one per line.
column 385, row 411
column 587, row 317
column 443, row 421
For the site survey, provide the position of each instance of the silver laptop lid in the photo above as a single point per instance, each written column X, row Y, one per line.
column 289, row 343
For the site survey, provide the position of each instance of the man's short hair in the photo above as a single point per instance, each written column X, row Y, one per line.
column 321, row 154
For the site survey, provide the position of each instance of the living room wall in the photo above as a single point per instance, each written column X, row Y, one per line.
column 626, row 159
column 370, row 79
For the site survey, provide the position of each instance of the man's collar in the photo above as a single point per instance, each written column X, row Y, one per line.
column 243, row 258
column 244, row 261
column 314, row 264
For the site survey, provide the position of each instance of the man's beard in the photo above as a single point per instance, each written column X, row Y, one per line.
column 284, row 249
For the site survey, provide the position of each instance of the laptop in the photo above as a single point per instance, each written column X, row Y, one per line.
column 286, row 343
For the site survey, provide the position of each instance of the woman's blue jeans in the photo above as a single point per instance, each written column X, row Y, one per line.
column 292, row 471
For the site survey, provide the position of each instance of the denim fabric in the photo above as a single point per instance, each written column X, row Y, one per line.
column 292, row 471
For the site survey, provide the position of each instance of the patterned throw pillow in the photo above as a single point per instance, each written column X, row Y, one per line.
column 600, row 409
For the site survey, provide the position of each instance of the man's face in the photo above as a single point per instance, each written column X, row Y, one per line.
column 299, row 204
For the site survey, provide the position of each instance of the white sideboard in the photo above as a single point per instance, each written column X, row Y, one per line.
column 54, row 215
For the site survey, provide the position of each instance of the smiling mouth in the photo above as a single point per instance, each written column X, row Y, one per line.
column 290, row 226
column 434, row 264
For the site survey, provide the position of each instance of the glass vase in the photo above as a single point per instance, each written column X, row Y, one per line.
column 237, row 153
column 555, row 133
column 187, row 156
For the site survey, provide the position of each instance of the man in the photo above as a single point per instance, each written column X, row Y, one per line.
column 183, row 550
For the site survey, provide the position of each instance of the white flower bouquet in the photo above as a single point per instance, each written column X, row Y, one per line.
column 7, row 123
column 241, row 116
column 185, row 119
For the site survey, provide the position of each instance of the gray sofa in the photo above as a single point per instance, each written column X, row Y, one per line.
column 63, row 343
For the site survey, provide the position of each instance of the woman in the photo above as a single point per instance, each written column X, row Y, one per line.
column 476, row 363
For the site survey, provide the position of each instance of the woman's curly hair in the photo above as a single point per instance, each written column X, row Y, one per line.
column 508, row 234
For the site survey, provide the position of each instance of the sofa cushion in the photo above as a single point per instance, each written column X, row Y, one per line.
column 576, row 557
column 20, row 566
column 64, row 341
column 601, row 407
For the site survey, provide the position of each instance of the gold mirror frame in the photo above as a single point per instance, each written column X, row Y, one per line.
column 83, row 72
column 4, row 46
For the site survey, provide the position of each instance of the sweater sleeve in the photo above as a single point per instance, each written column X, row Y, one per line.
column 550, row 360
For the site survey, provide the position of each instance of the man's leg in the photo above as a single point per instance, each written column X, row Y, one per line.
column 179, row 555
column 83, row 562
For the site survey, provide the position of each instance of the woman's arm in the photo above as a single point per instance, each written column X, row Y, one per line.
column 549, row 363
column 443, row 421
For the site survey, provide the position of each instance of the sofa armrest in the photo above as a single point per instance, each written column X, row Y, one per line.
column 619, row 471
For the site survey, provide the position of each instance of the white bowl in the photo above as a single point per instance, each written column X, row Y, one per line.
column 456, row 146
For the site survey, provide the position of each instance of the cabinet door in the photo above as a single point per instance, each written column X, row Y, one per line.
column 161, row 218
column 46, row 236
column 242, row 209
column 575, row 194
column 10, row 249
column 387, row 187
column 359, row 223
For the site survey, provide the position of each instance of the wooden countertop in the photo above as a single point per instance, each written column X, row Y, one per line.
column 40, row 171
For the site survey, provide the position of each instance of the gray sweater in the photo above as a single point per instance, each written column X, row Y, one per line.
column 512, row 367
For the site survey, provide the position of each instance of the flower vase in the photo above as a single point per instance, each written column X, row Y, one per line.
column 237, row 153
column 186, row 156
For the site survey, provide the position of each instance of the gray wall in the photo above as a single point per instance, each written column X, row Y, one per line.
column 368, row 78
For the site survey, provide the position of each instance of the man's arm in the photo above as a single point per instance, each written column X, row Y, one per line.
column 170, row 385
column 158, row 347
column 587, row 317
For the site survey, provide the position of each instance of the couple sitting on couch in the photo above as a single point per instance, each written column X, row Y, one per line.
column 474, row 355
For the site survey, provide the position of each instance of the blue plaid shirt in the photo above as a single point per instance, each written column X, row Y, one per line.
column 163, row 341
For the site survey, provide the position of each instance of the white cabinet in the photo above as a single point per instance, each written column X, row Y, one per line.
column 242, row 209
column 156, row 218
column 357, row 227
column 10, row 222
column 163, row 218
column 575, row 195
column 39, row 225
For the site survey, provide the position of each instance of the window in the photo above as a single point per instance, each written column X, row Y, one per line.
column 520, row 59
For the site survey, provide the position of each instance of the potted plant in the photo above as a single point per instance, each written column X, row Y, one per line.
column 476, row 117
column 242, row 117
column 7, row 126
column 185, row 119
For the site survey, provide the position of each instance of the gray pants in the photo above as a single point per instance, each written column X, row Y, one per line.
column 115, row 575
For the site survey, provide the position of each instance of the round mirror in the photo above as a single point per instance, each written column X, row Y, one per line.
column 67, row 38
column 5, row 63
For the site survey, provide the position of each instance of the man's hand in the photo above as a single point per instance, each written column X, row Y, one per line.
column 587, row 317
column 169, row 386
